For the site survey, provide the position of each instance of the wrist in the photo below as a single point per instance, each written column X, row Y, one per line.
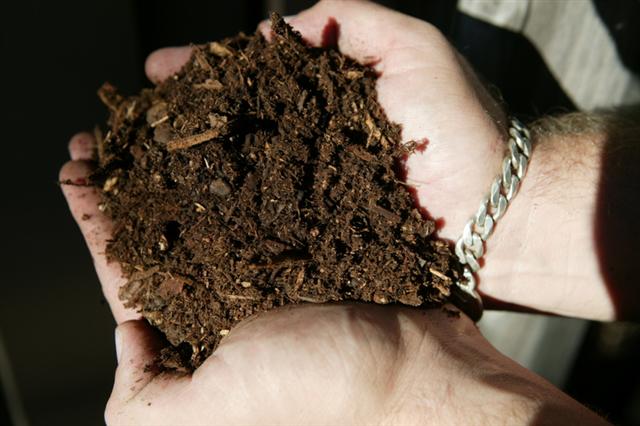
column 543, row 254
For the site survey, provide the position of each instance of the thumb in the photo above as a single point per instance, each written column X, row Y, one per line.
column 141, row 395
column 137, row 346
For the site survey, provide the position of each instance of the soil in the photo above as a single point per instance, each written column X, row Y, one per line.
column 261, row 174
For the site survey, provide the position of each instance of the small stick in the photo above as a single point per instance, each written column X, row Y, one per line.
column 219, row 49
column 189, row 141
column 209, row 84
column 238, row 297
column 311, row 299
column 159, row 121
column 439, row 274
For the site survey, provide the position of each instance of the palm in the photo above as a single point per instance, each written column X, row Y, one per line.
column 322, row 364
column 282, row 360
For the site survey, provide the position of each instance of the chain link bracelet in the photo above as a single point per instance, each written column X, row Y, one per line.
column 470, row 246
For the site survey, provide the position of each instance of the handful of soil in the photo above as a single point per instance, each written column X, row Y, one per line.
column 262, row 174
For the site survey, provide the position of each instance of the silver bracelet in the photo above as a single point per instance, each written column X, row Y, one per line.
column 470, row 246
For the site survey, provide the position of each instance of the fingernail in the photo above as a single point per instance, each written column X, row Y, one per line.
column 118, row 345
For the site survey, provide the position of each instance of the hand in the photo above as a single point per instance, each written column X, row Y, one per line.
column 565, row 245
column 424, row 86
column 338, row 364
column 348, row 363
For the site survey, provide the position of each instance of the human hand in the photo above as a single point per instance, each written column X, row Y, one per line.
column 429, row 89
column 379, row 365
column 338, row 364
column 453, row 172
column 562, row 247
column 317, row 364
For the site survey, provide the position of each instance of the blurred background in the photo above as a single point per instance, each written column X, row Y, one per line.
column 56, row 332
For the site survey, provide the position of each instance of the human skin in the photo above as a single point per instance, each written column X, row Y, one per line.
column 359, row 364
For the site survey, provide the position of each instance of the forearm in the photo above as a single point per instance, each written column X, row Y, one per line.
column 564, row 245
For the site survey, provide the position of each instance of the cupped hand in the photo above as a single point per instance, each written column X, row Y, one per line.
column 424, row 85
column 338, row 365
column 344, row 364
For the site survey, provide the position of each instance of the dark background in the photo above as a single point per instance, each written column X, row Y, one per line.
column 57, row 356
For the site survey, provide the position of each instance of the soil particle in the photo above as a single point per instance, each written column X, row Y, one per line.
column 261, row 174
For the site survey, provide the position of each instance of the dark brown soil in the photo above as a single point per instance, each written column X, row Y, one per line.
column 262, row 174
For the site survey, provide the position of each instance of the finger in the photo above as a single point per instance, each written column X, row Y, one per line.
column 137, row 346
column 402, row 49
column 423, row 86
column 82, row 147
column 165, row 62
column 264, row 27
column 359, row 29
column 142, row 395
column 96, row 228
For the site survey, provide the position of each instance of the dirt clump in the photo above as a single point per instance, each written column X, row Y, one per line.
column 261, row 174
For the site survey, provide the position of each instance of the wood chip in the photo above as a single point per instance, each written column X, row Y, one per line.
column 219, row 50
column 141, row 275
column 217, row 121
column 239, row 297
column 439, row 274
column 163, row 133
column 170, row 287
column 374, row 133
column 380, row 298
column 219, row 188
column 156, row 112
column 159, row 121
column 131, row 111
column 301, row 99
column 300, row 278
column 209, row 84
column 201, row 59
column 311, row 299
column 189, row 141
column 110, row 183
column 354, row 74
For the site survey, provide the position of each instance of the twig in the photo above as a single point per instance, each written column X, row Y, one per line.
column 209, row 84
column 219, row 49
column 189, row 141
column 311, row 299
column 159, row 121
column 238, row 297
column 439, row 274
